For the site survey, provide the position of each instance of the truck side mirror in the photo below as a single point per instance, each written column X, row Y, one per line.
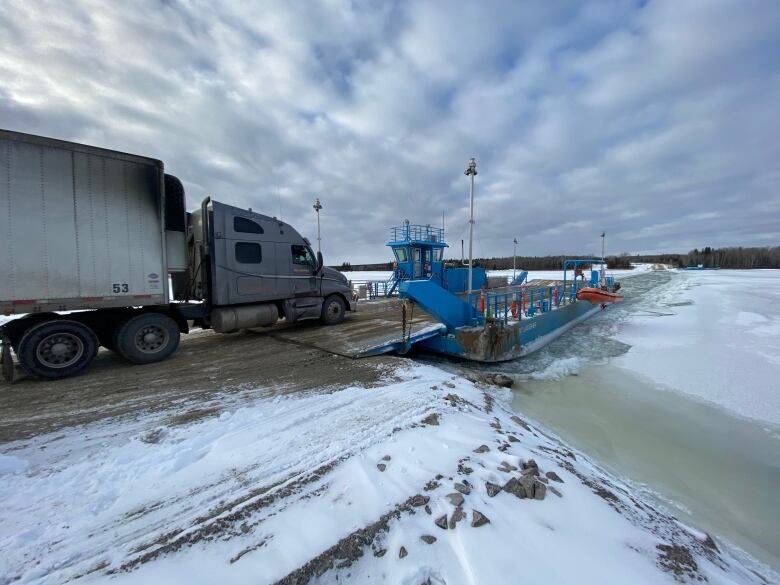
column 320, row 262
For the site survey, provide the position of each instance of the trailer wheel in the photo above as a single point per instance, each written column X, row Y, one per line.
column 57, row 349
column 147, row 338
column 333, row 310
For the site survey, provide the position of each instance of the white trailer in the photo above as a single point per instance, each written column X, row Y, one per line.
column 90, row 237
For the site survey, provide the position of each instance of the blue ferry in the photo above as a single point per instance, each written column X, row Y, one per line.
column 494, row 321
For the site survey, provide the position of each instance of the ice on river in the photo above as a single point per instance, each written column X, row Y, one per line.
column 714, row 335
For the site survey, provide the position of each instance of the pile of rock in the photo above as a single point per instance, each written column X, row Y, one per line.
column 528, row 485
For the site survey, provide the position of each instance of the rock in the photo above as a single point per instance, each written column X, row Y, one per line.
column 463, row 488
column 479, row 519
column 540, row 490
column 508, row 466
column 431, row 419
column 455, row 498
column 464, row 469
column 521, row 422
column 530, row 463
column 386, row 458
column 419, row 500
column 503, row 380
column 492, row 488
column 553, row 476
column 528, row 481
column 441, row 522
column 482, row 449
column 555, row 490
column 381, row 466
column 514, row 487
column 402, row 552
column 496, row 424
column 530, row 471
column 513, row 439
column 503, row 447
column 380, row 553
column 428, row 539
column 428, row 510
column 544, row 480
column 457, row 516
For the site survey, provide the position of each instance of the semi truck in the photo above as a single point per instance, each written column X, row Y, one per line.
column 98, row 249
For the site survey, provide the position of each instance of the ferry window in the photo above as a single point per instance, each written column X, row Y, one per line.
column 302, row 256
column 427, row 255
column 246, row 226
column 437, row 254
column 401, row 255
column 417, row 254
column 248, row 253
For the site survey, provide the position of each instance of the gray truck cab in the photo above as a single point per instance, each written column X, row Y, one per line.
column 256, row 268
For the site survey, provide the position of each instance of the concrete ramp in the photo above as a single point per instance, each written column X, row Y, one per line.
column 376, row 327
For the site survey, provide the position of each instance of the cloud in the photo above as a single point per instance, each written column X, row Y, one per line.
column 656, row 121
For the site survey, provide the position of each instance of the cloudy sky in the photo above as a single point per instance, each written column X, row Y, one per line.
column 656, row 121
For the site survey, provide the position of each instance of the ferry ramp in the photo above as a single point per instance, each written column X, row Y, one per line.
column 375, row 328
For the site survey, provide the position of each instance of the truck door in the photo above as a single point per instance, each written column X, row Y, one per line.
column 417, row 257
column 244, row 259
column 304, row 277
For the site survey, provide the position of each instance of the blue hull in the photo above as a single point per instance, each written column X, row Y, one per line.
column 496, row 342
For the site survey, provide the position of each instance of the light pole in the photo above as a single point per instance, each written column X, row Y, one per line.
column 514, row 261
column 603, row 236
column 471, row 172
column 317, row 206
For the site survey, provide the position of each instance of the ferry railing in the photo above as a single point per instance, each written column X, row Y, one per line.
column 523, row 303
column 424, row 233
column 375, row 288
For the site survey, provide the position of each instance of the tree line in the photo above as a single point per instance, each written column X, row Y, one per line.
column 740, row 257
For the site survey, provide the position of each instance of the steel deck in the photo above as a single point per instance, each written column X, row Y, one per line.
column 373, row 329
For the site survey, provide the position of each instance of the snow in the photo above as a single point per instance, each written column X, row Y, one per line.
column 262, row 489
column 720, row 342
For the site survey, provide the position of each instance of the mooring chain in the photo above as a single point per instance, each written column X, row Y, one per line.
column 406, row 308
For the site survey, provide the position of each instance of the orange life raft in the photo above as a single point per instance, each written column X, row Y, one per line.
column 596, row 296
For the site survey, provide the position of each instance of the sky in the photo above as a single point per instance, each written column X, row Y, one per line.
column 658, row 121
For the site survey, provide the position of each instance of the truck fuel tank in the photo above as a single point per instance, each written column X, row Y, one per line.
column 228, row 319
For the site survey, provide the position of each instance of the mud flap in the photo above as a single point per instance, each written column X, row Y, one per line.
column 7, row 362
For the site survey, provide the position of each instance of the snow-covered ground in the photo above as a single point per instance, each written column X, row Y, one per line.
column 334, row 487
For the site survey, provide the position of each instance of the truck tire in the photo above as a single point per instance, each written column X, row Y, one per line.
column 333, row 310
column 57, row 349
column 147, row 338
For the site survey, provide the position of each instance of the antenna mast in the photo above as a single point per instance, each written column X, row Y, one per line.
column 471, row 172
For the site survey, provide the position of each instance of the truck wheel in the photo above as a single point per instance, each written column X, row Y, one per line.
column 147, row 338
column 57, row 349
column 333, row 310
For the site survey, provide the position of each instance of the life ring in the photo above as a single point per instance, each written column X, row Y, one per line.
column 513, row 309
column 555, row 296
column 482, row 303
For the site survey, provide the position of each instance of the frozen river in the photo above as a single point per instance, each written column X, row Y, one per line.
column 677, row 390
